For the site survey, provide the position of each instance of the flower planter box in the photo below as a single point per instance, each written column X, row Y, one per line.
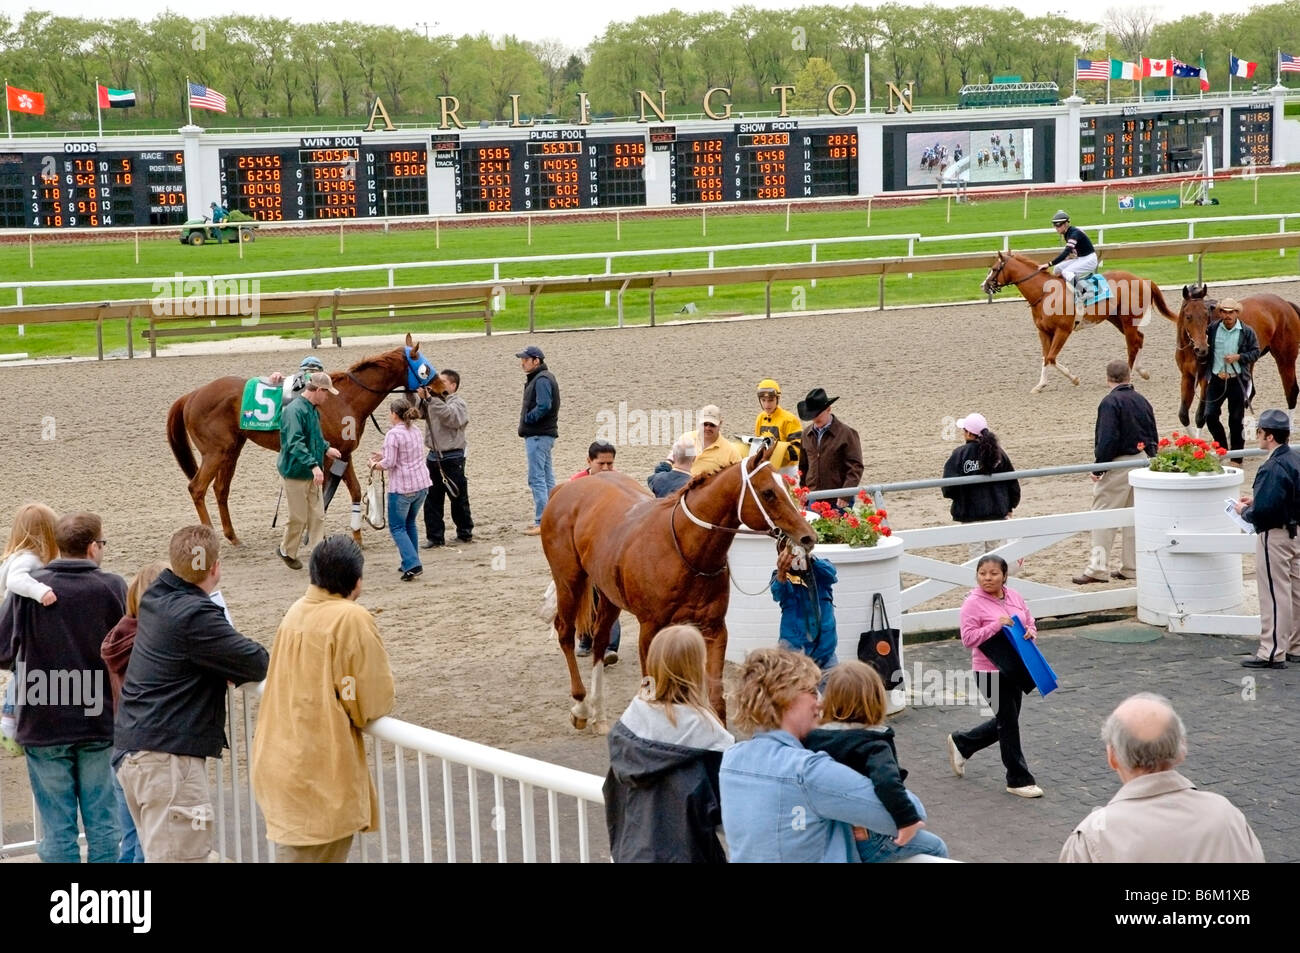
column 1177, row 584
column 754, row 618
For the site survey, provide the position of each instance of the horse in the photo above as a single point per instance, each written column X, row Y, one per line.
column 209, row 417
column 1275, row 321
column 1054, row 310
column 611, row 546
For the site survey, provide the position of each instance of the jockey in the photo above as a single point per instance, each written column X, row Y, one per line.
column 310, row 365
column 1077, row 259
column 778, row 423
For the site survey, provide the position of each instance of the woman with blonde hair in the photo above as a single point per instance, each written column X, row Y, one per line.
column 780, row 801
column 31, row 545
column 661, row 793
column 116, row 652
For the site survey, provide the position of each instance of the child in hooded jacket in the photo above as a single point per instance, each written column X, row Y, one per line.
column 31, row 545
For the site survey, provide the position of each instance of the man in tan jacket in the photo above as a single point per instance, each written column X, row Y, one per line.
column 1158, row 816
column 328, row 678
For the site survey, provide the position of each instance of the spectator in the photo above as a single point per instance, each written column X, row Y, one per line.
column 980, row 454
column 116, row 652
column 715, row 451
column 778, row 423
column 31, row 545
column 446, row 417
column 1274, row 512
column 854, row 733
column 668, row 478
column 1233, row 348
column 661, row 793
column 329, row 677
column 1158, row 816
column 1126, row 430
column 831, row 454
column 302, row 454
column 780, row 801
column 408, row 484
column 600, row 459
column 171, row 715
column 988, row 608
column 538, row 420
column 65, row 721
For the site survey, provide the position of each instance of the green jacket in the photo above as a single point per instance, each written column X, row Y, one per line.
column 302, row 445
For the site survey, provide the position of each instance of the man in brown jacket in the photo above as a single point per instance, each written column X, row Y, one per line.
column 831, row 455
column 1158, row 816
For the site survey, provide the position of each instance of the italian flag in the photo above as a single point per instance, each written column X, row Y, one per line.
column 115, row 98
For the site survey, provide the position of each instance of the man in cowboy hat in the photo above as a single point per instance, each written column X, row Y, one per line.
column 831, row 456
column 1233, row 350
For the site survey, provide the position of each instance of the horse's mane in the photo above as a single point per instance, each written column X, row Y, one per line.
column 1022, row 258
column 706, row 477
column 376, row 360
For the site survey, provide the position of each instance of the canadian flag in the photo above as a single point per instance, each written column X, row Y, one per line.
column 1155, row 68
column 25, row 101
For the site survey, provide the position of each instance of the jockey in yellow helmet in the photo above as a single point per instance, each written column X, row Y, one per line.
column 778, row 423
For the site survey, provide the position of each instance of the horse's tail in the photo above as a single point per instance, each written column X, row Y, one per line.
column 1158, row 299
column 588, row 606
column 179, row 438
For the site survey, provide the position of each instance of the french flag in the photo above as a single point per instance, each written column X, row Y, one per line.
column 1156, row 68
column 1241, row 68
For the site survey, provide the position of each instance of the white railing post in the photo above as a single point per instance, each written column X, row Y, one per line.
column 21, row 329
column 391, row 312
column 1281, row 230
column 911, row 248
column 498, row 301
column 710, row 269
column 813, row 282
column 609, row 270
column 527, row 823
column 1191, row 233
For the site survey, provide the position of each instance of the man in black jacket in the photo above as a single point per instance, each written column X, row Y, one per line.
column 1274, row 512
column 1126, row 430
column 170, row 717
column 1233, row 351
column 538, row 419
column 65, row 714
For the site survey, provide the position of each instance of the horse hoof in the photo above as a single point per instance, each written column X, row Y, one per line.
column 1143, row 374
column 601, row 728
column 234, row 540
column 579, row 723
column 1035, row 390
column 1074, row 381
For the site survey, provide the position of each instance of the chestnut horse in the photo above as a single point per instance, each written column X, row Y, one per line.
column 209, row 417
column 1053, row 308
column 1275, row 321
column 612, row 546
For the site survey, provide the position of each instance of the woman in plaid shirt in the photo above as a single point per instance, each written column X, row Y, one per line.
column 408, row 482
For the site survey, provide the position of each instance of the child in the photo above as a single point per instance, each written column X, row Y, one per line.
column 31, row 545
column 853, row 732
column 661, row 794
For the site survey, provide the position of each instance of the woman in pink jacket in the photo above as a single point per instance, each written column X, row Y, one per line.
column 986, row 610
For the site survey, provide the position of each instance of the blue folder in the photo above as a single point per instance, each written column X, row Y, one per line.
column 1039, row 670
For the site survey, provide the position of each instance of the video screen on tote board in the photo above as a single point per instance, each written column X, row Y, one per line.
column 967, row 155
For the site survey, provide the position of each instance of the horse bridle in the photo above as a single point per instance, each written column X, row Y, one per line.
column 998, row 284
column 746, row 485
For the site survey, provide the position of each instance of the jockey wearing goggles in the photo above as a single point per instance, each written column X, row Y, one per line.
column 310, row 365
column 775, row 421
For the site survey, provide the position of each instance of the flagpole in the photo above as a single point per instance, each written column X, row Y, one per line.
column 9, row 119
column 189, row 112
column 99, row 110
column 1169, row 68
column 1141, row 64
column 1200, row 80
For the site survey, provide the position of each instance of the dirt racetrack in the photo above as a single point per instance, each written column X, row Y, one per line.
column 470, row 656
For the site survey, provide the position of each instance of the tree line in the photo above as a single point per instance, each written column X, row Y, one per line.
column 272, row 68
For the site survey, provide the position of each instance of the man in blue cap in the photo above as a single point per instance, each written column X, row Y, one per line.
column 538, row 419
column 1275, row 512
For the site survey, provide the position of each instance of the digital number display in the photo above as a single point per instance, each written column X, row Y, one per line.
column 549, row 174
column 765, row 165
column 326, row 180
column 1122, row 147
column 92, row 190
column 1252, row 135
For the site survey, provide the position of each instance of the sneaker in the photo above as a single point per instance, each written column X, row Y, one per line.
column 291, row 561
column 464, row 539
column 611, row 657
column 583, row 648
column 1029, row 790
column 431, row 544
column 955, row 759
column 533, row 531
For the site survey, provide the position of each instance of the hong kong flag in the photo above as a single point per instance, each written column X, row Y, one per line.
column 24, row 101
column 1155, row 68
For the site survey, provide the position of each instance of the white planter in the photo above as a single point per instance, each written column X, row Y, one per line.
column 1174, row 584
column 754, row 618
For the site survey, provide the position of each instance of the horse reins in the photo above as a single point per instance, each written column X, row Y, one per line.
column 746, row 484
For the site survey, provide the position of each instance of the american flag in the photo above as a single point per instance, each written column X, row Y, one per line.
column 1288, row 64
column 204, row 98
column 1092, row 69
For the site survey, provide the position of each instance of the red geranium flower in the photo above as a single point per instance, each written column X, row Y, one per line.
column 886, row 531
column 1164, row 442
column 1198, row 454
column 882, row 514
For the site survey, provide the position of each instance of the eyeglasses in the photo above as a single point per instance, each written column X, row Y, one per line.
column 714, row 426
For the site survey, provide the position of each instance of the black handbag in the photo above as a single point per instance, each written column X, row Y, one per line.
column 879, row 647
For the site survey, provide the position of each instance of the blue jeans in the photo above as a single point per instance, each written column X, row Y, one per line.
column 403, row 508
column 615, row 634
column 541, row 477
column 65, row 778
column 880, row 848
column 131, row 852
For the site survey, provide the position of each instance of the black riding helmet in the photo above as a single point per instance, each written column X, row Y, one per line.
column 1060, row 218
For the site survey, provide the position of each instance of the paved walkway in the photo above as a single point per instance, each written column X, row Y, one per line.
column 1242, row 725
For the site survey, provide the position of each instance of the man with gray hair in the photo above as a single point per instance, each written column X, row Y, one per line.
column 1158, row 816
column 667, row 480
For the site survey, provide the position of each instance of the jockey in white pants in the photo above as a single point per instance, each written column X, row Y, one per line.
column 1077, row 259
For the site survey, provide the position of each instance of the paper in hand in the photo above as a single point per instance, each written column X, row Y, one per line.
column 1230, row 509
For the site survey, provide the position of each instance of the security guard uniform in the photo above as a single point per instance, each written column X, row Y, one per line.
column 1275, row 512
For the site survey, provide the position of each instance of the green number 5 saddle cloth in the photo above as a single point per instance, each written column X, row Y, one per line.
column 260, row 408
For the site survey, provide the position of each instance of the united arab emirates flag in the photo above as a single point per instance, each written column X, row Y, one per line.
column 116, row 98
